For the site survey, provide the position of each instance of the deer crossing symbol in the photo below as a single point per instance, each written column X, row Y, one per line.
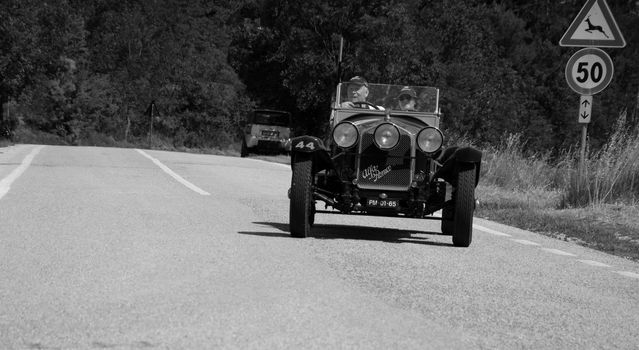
column 592, row 27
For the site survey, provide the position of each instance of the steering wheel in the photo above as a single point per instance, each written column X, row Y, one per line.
column 360, row 104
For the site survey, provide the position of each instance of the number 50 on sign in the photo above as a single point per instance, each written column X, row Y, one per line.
column 589, row 71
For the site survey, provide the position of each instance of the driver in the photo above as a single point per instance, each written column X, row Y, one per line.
column 357, row 88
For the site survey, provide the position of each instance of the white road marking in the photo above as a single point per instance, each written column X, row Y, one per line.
column 593, row 263
column 524, row 242
column 177, row 177
column 492, row 232
column 557, row 251
column 628, row 274
column 5, row 184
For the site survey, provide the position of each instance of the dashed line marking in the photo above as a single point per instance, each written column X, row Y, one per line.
column 5, row 184
column 177, row 177
column 524, row 242
column 491, row 231
column 593, row 263
column 628, row 274
column 557, row 252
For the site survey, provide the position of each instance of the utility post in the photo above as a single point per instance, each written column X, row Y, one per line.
column 151, row 111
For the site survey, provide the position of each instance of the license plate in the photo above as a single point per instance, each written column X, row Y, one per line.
column 382, row 203
column 270, row 133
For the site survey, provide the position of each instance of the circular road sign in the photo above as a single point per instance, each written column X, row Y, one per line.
column 589, row 71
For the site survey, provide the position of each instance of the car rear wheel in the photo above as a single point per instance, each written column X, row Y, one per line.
column 464, row 205
column 302, row 213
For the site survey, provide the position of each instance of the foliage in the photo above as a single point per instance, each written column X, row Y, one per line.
column 79, row 69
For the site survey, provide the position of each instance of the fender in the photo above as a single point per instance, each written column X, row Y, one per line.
column 455, row 156
column 313, row 146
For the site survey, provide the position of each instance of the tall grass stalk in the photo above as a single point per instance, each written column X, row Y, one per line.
column 610, row 173
column 509, row 167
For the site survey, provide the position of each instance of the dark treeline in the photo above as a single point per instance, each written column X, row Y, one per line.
column 87, row 71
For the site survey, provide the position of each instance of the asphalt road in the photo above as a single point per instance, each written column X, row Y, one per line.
column 109, row 248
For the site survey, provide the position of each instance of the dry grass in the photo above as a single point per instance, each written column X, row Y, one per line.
column 596, row 207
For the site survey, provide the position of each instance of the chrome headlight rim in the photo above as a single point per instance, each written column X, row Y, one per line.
column 345, row 145
column 386, row 148
column 438, row 134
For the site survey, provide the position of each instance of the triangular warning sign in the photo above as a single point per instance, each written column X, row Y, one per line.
column 593, row 26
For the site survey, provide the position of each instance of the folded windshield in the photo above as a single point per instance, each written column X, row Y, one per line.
column 393, row 97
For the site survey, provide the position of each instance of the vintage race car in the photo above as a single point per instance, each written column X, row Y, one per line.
column 266, row 130
column 381, row 160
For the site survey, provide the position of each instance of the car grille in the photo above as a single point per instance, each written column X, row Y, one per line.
column 390, row 170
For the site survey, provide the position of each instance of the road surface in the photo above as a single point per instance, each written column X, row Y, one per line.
column 110, row 248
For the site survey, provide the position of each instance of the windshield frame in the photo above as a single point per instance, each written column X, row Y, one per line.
column 385, row 97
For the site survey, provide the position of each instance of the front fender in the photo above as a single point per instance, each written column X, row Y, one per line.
column 313, row 146
column 458, row 155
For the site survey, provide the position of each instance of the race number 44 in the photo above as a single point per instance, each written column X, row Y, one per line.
column 302, row 145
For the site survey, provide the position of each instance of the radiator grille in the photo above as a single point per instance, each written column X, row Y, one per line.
column 390, row 170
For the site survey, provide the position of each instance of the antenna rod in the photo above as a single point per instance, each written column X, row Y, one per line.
column 339, row 62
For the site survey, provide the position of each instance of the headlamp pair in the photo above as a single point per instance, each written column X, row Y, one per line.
column 386, row 136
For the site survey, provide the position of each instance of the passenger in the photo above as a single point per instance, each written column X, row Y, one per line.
column 407, row 99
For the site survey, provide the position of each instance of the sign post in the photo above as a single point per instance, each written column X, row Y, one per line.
column 590, row 70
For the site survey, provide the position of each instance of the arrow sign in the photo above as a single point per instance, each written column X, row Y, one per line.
column 585, row 108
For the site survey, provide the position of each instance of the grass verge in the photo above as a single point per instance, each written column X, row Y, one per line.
column 613, row 229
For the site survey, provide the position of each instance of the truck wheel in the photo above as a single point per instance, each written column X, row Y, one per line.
column 301, row 216
column 244, row 151
column 464, row 205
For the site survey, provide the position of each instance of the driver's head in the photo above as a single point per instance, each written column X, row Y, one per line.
column 357, row 89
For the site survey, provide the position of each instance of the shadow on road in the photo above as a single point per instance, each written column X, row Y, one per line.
column 320, row 231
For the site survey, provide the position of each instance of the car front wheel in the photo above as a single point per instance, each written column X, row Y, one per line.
column 464, row 205
column 302, row 213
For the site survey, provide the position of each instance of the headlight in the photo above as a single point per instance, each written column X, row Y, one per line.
column 386, row 136
column 345, row 135
column 430, row 139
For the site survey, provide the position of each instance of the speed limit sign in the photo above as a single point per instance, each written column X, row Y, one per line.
column 589, row 71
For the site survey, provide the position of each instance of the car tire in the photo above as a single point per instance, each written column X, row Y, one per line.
column 301, row 213
column 244, row 151
column 448, row 219
column 464, row 205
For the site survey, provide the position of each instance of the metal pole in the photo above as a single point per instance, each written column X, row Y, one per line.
column 582, row 153
column 151, row 120
column 339, row 60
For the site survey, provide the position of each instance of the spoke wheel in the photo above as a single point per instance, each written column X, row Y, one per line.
column 302, row 213
column 464, row 205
